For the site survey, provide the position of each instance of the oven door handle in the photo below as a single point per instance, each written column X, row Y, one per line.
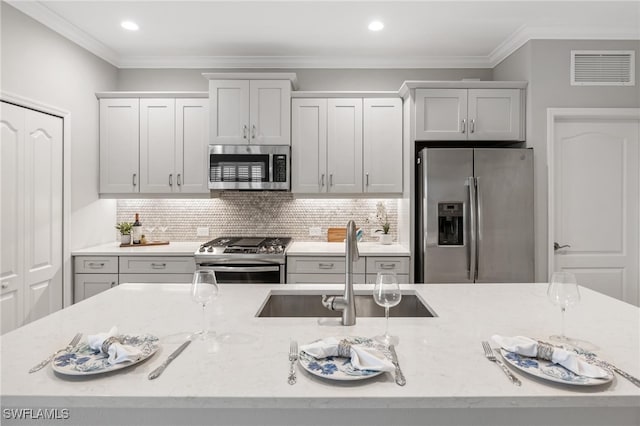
column 242, row 268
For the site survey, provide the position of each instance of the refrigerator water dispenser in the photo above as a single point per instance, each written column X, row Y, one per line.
column 450, row 224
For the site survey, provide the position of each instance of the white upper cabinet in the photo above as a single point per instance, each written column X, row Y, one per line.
column 468, row 114
column 346, row 145
column 250, row 111
column 192, row 143
column 157, row 140
column 154, row 145
column 309, row 150
column 382, row 147
column 119, row 142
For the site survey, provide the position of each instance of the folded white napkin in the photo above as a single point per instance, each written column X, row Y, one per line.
column 117, row 351
column 362, row 357
column 571, row 361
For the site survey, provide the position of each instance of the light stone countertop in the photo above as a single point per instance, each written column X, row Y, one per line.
column 174, row 248
column 321, row 248
column 241, row 377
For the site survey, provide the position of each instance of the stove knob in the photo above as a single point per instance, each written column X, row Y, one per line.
column 201, row 249
column 210, row 249
column 279, row 249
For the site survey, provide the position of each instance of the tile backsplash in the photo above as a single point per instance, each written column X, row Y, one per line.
column 255, row 214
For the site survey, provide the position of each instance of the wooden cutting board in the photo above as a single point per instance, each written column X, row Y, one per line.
column 336, row 235
column 150, row 243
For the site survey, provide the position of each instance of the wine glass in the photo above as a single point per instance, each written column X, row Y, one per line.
column 204, row 289
column 563, row 291
column 386, row 293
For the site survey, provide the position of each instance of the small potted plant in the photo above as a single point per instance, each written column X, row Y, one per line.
column 385, row 226
column 125, row 232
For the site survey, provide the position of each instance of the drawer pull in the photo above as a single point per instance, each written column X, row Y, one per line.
column 158, row 265
column 325, row 265
column 5, row 285
column 95, row 265
column 387, row 266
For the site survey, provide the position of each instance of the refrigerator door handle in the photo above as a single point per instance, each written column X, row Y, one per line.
column 473, row 220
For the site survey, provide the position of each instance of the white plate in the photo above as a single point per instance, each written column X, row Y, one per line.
column 550, row 371
column 84, row 361
column 340, row 368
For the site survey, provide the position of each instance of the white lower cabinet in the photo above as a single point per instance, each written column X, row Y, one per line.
column 95, row 274
column 331, row 269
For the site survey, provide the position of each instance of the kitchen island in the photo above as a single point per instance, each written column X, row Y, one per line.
column 241, row 377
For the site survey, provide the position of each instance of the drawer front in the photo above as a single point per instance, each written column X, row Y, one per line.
column 156, row 278
column 399, row 265
column 322, row 265
column 96, row 264
column 323, row 279
column 156, row 265
column 402, row 278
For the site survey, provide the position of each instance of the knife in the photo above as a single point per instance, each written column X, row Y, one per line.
column 400, row 380
column 158, row 371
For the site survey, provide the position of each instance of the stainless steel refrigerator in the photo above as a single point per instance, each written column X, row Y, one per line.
column 474, row 215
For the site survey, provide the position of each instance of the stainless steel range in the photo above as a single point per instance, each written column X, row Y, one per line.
column 245, row 259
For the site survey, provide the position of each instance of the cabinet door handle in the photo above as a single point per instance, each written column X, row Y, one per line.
column 135, row 179
column 473, row 126
column 113, row 284
column 367, row 179
column 171, row 179
column 253, row 131
column 95, row 265
column 158, row 265
column 325, row 265
column 179, row 180
column 244, row 131
column 464, row 126
column 322, row 181
column 387, row 266
column 330, row 179
column 5, row 286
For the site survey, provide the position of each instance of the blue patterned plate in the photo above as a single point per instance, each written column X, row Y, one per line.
column 550, row 371
column 83, row 361
column 340, row 368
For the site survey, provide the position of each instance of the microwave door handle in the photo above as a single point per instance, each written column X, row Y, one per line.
column 471, row 183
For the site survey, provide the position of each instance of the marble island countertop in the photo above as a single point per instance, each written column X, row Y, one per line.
column 241, row 378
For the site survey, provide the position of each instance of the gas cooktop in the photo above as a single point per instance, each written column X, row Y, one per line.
column 245, row 245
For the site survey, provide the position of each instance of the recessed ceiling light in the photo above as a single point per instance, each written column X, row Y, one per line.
column 129, row 25
column 376, row 26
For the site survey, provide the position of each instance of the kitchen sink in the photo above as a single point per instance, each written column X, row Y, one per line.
column 310, row 305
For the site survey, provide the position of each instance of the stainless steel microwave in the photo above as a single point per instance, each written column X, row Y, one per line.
column 250, row 167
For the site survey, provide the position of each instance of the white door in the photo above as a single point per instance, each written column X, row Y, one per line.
column 494, row 114
column 12, row 216
column 270, row 112
column 382, row 145
column 157, row 145
column 119, row 146
column 229, row 111
column 192, row 143
column 441, row 114
column 309, row 145
column 344, row 145
column 595, row 195
column 31, row 215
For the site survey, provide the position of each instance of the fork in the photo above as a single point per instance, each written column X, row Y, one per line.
column 70, row 346
column 293, row 357
column 491, row 356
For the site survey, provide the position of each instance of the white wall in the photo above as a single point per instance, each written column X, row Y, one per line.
column 39, row 64
column 546, row 65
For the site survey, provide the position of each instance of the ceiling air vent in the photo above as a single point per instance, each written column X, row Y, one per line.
column 602, row 68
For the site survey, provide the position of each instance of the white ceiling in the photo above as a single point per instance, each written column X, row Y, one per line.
column 326, row 34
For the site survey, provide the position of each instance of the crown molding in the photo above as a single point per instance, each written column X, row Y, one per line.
column 524, row 34
column 41, row 13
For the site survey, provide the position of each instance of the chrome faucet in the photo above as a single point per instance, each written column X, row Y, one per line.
column 346, row 303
